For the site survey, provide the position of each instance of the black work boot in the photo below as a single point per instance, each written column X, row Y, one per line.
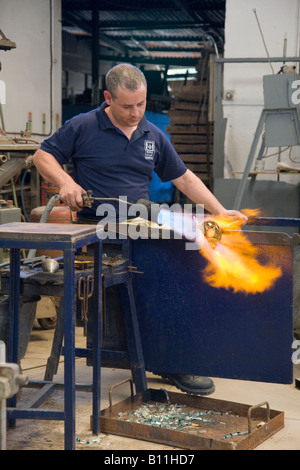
column 193, row 384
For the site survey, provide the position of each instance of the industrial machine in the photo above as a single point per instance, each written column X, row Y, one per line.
column 280, row 121
column 11, row 380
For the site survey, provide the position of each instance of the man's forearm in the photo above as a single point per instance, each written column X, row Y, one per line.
column 190, row 185
column 69, row 191
column 49, row 168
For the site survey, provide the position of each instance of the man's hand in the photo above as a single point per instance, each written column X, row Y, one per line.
column 237, row 215
column 71, row 194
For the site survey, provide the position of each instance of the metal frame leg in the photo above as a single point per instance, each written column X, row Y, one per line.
column 14, row 307
column 97, row 310
column 53, row 360
column 14, row 315
column 60, row 332
column 69, row 347
column 243, row 183
column 259, row 158
column 134, row 344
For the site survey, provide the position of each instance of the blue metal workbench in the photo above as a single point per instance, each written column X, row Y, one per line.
column 189, row 327
column 18, row 280
column 67, row 238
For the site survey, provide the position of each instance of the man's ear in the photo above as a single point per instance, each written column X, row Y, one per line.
column 107, row 97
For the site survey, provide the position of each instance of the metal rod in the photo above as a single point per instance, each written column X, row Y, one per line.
column 263, row 39
column 117, row 385
column 254, row 408
column 244, row 60
column 95, row 52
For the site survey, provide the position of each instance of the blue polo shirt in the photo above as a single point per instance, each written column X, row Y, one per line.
column 109, row 164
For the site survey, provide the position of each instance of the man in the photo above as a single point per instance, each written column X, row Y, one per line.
column 114, row 150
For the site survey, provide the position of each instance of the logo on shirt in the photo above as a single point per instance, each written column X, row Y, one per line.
column 149, row 149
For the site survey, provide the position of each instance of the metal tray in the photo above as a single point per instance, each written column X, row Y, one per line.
column 206, row 423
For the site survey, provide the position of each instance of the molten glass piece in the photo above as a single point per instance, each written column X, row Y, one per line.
column 212, row 232
column 233, row 260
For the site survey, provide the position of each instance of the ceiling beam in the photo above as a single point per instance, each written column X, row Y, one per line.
column 87, row 28
column 158, row 38
column 178, row 61
column 148, row 25
column 83, row 5
column 174, row 49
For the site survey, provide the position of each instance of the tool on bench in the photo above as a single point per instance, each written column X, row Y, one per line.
column 179, row 222
column 85, row 289
column 35, row 261
column 47, row 264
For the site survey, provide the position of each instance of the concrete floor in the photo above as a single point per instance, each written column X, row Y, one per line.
column 49, row 435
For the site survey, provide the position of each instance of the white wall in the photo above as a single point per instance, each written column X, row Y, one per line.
column 278, row 19
column 26, row 70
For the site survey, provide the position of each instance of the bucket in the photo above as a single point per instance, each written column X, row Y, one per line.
column 58, row 215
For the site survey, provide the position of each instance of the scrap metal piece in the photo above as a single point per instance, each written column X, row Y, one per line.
column 50, row 265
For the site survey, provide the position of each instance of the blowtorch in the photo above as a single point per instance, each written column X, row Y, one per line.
column 179, row 222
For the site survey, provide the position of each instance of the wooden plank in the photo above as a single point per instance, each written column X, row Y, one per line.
column 191, row 139
column 195, row 157
column 190, row 92
column 192, row 148
column 175, row 114
column 189, row 106
column 188, row 129
column 186, row 117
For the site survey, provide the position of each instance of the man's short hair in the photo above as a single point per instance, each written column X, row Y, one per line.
column 126, row 76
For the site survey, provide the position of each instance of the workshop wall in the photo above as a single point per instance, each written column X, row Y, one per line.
column 278, row 20
column 32, row 71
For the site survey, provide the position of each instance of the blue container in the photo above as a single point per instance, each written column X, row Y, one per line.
column 189, row 327
column 160, row 192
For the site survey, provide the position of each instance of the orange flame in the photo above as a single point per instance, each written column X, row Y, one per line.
column 233, row 264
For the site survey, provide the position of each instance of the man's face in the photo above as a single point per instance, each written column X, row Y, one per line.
column 127, row 107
